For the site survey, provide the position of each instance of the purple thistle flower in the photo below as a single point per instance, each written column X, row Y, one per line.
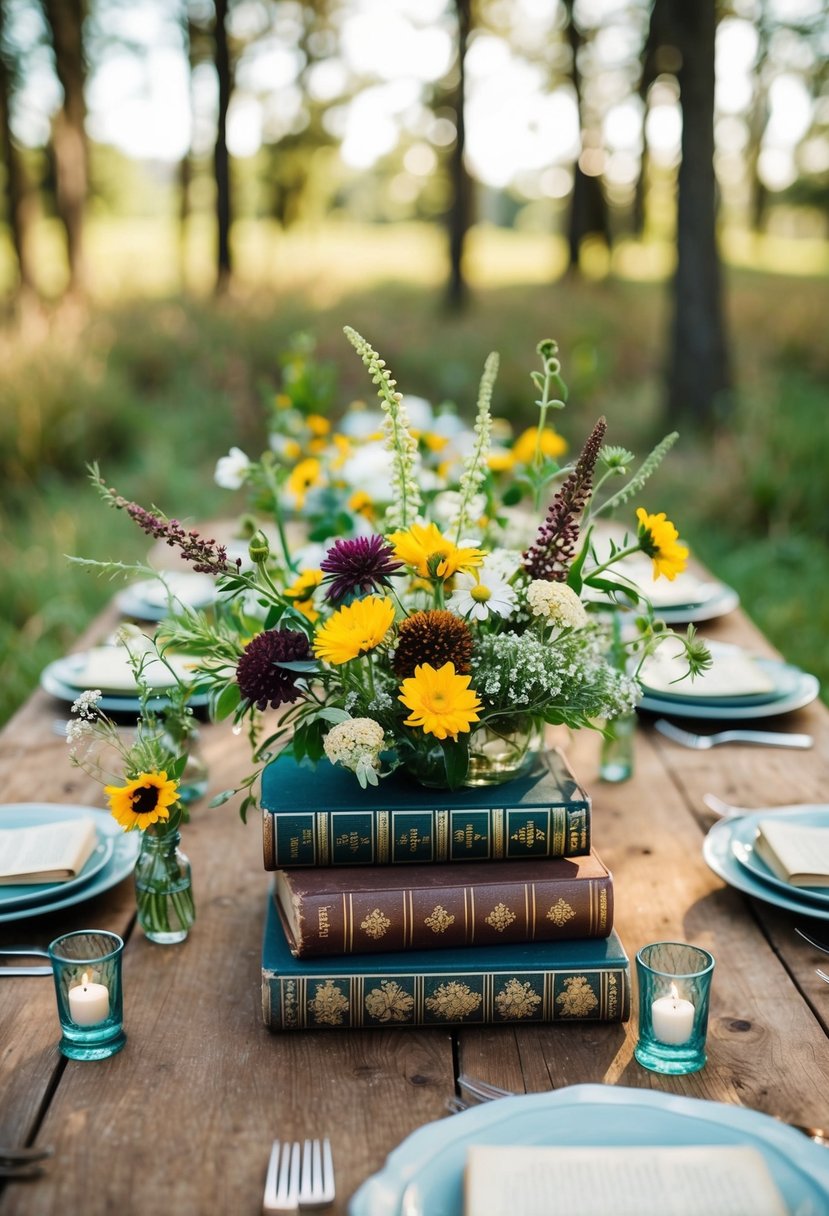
column 358, row 566
column 258, row 675
column 549, row 557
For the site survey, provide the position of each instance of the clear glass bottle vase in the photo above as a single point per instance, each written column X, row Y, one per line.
column 163, row 888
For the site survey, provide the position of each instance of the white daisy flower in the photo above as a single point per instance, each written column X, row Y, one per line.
column 475, row 598
column 232, row 470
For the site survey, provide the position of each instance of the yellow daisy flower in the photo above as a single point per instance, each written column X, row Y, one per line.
column 431, row 554
column 658, row 538
column 317, row 425
column 143, row 801
column 552, row 445
column 500, row 460
column 301, row 591
column 362, row 503
column 354, row 630
column 302, row 477
column 441, row 702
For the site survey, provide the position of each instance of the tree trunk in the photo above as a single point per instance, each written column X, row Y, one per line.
column 221, row 158
column 65, row 19
column 19, row 201
column 698, row 377
column 588, row 205
column 460, row 211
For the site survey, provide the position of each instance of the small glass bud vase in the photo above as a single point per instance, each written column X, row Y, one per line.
column 163, row 888
column 616, row 758
column 193, row 780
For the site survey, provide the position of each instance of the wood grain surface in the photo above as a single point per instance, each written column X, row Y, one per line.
column 182, row 1119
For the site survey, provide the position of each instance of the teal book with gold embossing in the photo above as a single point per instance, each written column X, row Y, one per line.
column 319, row 816
column 574, row 981
column 363, row 909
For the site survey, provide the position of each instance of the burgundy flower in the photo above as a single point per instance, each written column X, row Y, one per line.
column 358, row 566
column 258, row 675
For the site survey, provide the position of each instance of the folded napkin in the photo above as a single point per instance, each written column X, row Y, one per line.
column 705, row 1180
column 733, row 673
column 108, row 668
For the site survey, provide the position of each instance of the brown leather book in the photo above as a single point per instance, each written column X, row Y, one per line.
column 359, row 910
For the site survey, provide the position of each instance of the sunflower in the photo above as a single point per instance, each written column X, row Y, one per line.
column 354, row 630
column 658, row 538
column 441, row 702
column 431, row 554
column 143, row 801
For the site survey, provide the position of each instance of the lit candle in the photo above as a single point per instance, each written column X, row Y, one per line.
column 88, row 1002
column 672, row 1018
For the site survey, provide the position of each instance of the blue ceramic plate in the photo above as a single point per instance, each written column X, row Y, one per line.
column 56, row 679
column 125, row 846
column 802, row 690
column 32, row 814
column 146, row 601
column 424, row 1175
column 718, row 851
column 784, row 678
column 744, row 834
column 722, row 600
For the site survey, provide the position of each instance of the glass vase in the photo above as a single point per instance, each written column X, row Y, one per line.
column 496, row 755
column 616, row 758
column 193, row 780
column 163, row 888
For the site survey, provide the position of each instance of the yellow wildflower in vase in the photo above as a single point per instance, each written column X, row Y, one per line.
column 354, row 630
column 431, row 554
column 658, row 538
column 143, row 801
column 440, row 701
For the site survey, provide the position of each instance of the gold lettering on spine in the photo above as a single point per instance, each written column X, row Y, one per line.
column 603, row 909
column 559, row 818
column 442, row 832
column 382, row 827
column 268, row 841
column 321, row 854
column 496, row 832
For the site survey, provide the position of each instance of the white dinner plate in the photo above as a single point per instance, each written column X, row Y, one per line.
column 57, row 679
column 147, row 600
column 742, row 846
column 125, row 846
column 718, row 851
column 32, row 814
column 424, row 1175
column 801, row 687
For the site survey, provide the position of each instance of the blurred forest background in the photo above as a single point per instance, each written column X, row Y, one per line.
column 189, row 185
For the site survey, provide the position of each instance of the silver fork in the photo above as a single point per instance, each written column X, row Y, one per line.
column 316, row 1187
column 282, row 1181
column 760, row 738
column 822, row 975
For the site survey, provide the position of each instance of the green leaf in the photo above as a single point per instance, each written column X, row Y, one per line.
column 334, row 715
column 512, row 495
column 222, row 798
column 574, row 579
column 175, row 769
column 227, row 702
column 302, row 665
column 245, row 806
column 456, row 759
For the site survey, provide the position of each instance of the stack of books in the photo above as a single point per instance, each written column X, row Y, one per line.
column 403, row 906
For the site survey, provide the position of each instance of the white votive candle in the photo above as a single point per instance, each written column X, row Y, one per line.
column 88, row 1002
column 672, row 1018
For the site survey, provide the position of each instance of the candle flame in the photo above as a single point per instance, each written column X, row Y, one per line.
column 674, row 992
column 85, row 979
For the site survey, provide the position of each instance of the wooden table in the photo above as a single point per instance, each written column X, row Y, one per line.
column 182, row 1119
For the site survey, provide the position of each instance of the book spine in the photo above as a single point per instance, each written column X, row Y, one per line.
column 422, row 918
column 320, row 1002
column 348, row 838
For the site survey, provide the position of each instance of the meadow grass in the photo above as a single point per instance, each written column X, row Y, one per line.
column 155, row 386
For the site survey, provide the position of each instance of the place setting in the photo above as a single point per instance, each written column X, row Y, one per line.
column 737, row 687
column 109, row 669
column 778, row 855
column 152, row 599
column 56, row 856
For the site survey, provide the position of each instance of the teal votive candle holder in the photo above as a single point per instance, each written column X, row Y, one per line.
column 87, row 973
column 674, row 991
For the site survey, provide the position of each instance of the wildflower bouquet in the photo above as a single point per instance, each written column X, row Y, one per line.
column 142, row 772
column 431, row 640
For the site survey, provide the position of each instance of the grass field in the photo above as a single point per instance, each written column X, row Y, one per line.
column 155, row 386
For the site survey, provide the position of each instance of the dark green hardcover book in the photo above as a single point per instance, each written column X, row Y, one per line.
column 573, row 981
column 319, row 816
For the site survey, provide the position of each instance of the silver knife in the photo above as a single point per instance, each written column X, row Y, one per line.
column 25, row 971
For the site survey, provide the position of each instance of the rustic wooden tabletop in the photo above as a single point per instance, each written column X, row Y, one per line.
column 181, row 1121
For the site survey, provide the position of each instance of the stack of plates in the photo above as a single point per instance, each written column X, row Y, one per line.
column 782, row 688
column 150, row 600
column 112, row 859
column 107, row 668
column 424, row 1175
column 729, row 850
